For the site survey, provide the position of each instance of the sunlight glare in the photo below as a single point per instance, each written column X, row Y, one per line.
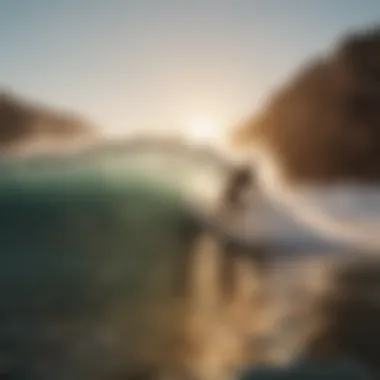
column 203, row 130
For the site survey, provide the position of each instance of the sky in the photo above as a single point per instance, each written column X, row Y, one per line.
column 160, row 64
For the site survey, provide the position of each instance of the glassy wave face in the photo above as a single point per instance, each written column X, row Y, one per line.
column 93, row 263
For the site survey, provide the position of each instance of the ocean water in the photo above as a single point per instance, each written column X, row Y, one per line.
column 108, row 270
column 92, row 255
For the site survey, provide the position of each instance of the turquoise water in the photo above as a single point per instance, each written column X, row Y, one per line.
column 92, row 247
column 86, row 242
column 66, row 222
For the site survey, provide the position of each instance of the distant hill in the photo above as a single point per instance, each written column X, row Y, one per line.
column 26, row 126
column 323, row 124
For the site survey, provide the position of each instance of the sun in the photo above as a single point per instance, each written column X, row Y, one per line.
column 203, row 130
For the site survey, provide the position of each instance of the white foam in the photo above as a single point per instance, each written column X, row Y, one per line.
column 346, row 213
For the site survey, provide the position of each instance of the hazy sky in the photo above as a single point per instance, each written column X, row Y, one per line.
column 160, row 63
